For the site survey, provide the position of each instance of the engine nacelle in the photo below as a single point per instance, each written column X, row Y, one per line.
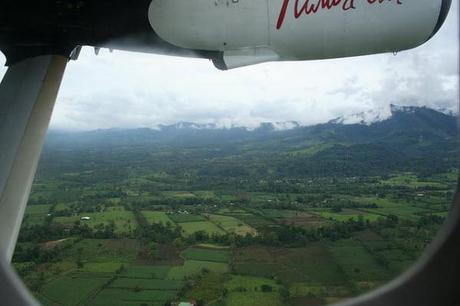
column 255, row 31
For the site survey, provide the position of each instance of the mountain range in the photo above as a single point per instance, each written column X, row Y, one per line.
column 411, row 139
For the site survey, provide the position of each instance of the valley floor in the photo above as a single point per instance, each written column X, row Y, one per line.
column 136, row 247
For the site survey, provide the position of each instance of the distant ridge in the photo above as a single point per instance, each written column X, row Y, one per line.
column 412, row 138
column 362, row 118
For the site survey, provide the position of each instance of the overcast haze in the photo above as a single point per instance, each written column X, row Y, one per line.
column 130, row 90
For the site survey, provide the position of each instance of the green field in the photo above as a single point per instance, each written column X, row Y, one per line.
column 314, row 264
column 213, row 246
column 61, row 207
column 193, row 267
column 412, row 181
column 130, row 297
column 246, row 290
column 183, row 218
column 221, row 272
column 145, row 283
column 357, row 263
column 143, row 271
column 347, row 214
column 108, row 267
column 208, row 288
column 38, row 209
column 104, row 250
column 232, row 225
column 36, row 214
column 157, row 217
column 387, row 207
column 337, row 238
column 255, row 221
column 208, row 227
column 205, row 254
column 279, row 213
column 71, row 290
column 299, row 290
column 123, row 220
column 179, row 194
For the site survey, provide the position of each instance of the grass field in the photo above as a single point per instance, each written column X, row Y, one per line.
column 279, row 213
column 134, row 286
column 311, row 150
column 209, row 289
column 104, row 250
column 36, row 214
column 38, row 209
column 157, row 217
column 123, row 220
column 137, row 285
column 205, row 194
column 213, row 246
column 387, row 207
column 109, row 266
column 314, row 264
column 145, row 283
column 247, row 290
column 250, row 283
column 203, row 254
column 232, row 225
column 356, row 261
column 390, row 255
column 346, row 214
column 220, row 272
column 71, row 290
column 297, row 290
column 254, row 221
column 306, row 220
column 232, row 211
column 61, row 207
column 183, row 218
column 312, row 275
column 179, row 194
column 193, row 267
column 143, row 271
column 130, row 297
column 208, row 227
column 412, row 181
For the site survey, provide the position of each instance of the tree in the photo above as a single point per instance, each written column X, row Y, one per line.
column 266, row 288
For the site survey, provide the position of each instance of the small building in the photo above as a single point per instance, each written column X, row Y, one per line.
column 85, row 218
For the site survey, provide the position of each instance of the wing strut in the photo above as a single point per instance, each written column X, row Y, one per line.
column 27, row 95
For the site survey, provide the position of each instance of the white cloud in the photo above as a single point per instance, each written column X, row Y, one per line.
column 124, row 89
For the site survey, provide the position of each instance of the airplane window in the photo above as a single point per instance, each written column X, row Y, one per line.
column 164, row 181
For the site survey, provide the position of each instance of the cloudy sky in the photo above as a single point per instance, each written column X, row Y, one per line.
column 127, row 90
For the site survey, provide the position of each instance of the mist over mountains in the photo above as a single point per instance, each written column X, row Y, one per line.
column 415, row 139
column 408, row 125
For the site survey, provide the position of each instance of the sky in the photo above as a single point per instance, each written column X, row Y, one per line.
column 133, row 90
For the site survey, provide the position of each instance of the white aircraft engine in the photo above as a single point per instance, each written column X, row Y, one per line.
column 254, row 31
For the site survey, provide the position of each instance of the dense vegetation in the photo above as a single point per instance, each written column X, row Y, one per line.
column 230, row 217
